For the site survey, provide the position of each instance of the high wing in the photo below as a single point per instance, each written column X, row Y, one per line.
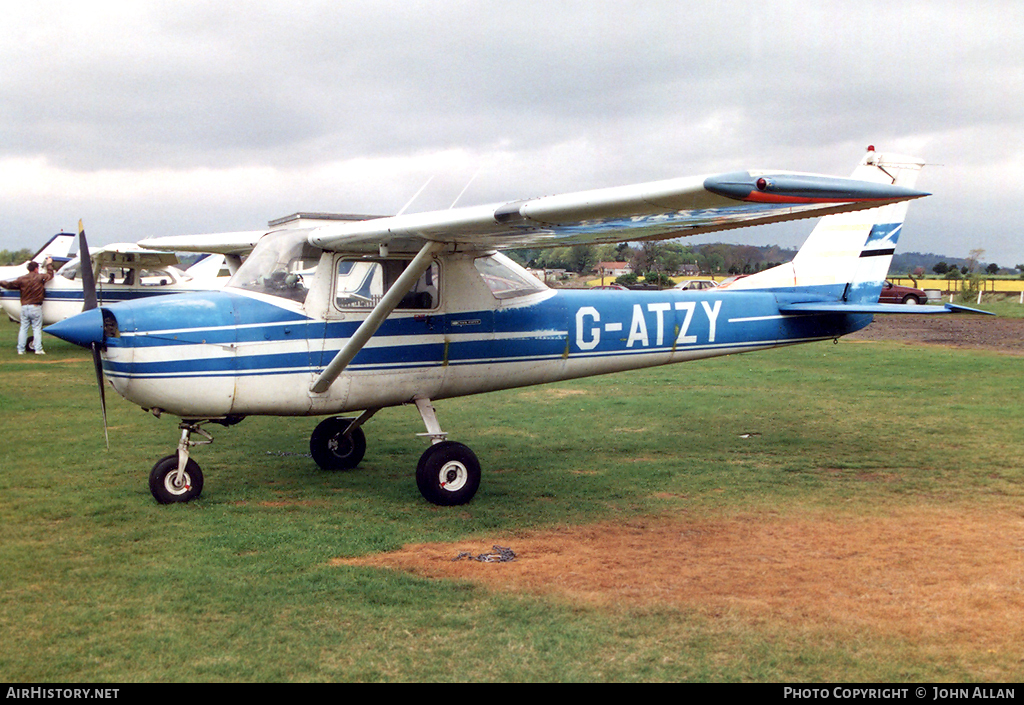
column 240, row 243
column 651, row 211
column 236, row 243
column 125, row 253
column 657, row 210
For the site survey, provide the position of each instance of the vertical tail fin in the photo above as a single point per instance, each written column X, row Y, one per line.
column 57, row 247
column 847, row 255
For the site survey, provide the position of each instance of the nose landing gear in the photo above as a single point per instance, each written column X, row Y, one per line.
column 178, row 478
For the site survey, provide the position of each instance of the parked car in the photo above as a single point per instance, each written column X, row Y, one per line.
column 692, row 284
column 896, row 294
column 729, row 280
column 617, row 287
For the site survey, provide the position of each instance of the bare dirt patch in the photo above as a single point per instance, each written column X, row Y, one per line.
column 948, row 578
column 954, row 330
column 927, row 574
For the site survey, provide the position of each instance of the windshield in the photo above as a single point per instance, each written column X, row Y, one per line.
column 278, row 266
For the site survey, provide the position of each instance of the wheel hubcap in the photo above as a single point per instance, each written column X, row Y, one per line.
column 453, row 476
column 177, row 488
column 340, row 446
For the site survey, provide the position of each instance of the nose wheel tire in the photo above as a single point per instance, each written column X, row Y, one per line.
column 168, row 488
column 448, row 474
column 332, row 449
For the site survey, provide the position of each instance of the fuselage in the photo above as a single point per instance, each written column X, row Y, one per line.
column 238, row 352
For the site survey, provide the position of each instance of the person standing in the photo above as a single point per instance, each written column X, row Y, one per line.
column 33, row 290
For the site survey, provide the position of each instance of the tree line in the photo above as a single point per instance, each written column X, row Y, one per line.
column 658, row 258
column 8, row 257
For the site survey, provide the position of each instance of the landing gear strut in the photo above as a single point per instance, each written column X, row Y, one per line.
column 177, row 478
column 338, row 443
column 448, row 473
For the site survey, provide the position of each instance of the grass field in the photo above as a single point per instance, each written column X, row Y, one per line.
column 270, row 576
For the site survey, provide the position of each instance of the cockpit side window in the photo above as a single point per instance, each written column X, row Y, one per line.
column 116, row 275
column 155, row 277
column 360, row 283
column 505, row 278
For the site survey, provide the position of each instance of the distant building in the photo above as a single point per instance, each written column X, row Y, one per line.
column 613, row 269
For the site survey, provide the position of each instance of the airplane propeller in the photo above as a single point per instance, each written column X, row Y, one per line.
column 89, row 297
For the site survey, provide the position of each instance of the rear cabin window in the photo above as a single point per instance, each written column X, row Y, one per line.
column 361, row 284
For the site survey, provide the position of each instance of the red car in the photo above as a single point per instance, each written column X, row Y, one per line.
column 896, row 294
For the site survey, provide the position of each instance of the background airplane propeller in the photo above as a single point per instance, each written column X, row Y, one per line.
column 89, row 291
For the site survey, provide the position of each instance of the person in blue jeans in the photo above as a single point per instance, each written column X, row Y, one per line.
column 33, row 290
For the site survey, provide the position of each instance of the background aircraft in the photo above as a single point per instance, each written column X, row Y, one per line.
column 56, row 248
column 122, row 272
column 325, row 318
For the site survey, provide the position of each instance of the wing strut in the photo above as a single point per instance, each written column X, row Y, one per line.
column 402, row 286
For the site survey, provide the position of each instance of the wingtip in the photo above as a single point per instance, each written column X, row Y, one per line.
column 804, row 188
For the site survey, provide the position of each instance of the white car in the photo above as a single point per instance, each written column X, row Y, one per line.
column 696, row 284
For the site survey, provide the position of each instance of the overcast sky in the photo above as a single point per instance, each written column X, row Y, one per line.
column 169, row 118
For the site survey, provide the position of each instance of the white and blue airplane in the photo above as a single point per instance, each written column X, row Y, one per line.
column 327, row 318
column 56, row 249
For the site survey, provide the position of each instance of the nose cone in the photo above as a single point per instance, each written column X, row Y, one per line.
column 82, row 329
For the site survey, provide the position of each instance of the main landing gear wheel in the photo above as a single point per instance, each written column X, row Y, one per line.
column 332, row 449
column 448, row 474
column 167, row 487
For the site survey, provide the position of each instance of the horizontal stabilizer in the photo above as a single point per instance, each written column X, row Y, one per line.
column 839, row 307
